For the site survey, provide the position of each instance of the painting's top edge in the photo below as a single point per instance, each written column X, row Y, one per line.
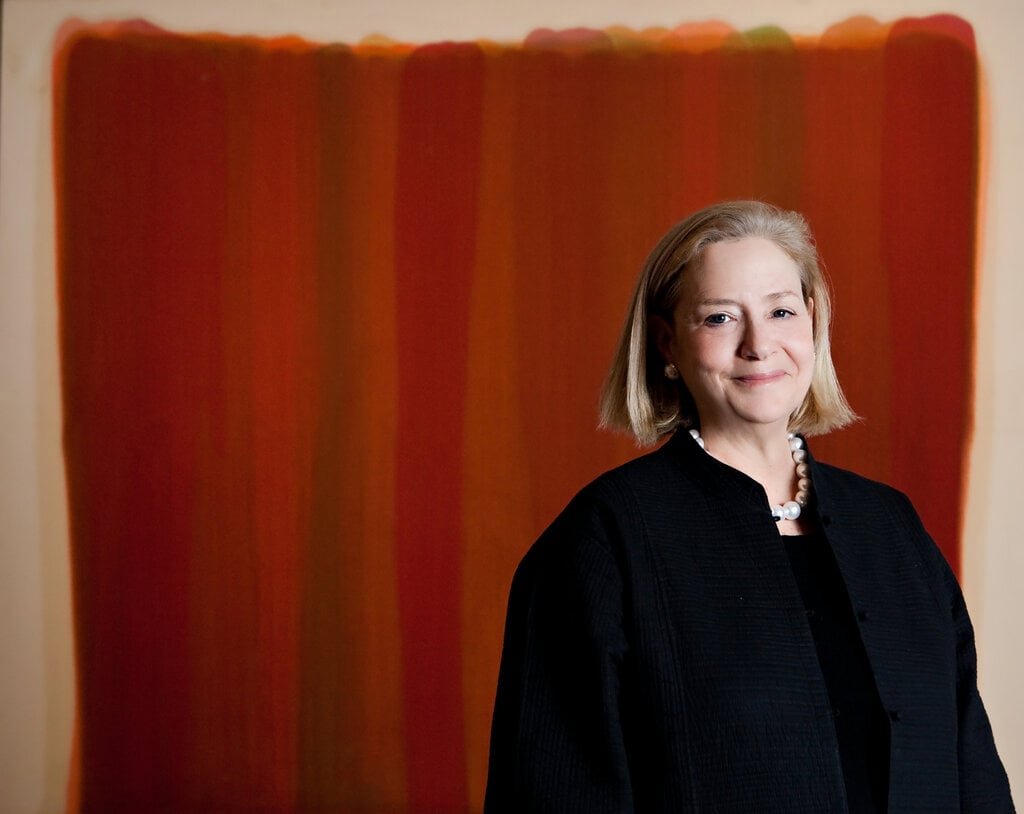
column 858, row 31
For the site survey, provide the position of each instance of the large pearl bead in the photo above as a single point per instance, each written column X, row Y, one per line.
column 791, row 510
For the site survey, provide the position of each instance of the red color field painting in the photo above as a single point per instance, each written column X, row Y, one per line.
column 333, row 324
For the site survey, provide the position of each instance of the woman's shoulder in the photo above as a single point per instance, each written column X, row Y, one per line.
column 608, row 510
column 642, row 471
column 853, row 501
column 636, row 481
column 616, row 488
column 845, row 483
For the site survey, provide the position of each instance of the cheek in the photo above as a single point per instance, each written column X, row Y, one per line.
column 697, row 353
column 809, row 342
column 800, row 339
column 805, row 349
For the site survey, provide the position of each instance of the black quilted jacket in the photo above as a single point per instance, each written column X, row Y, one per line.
column 657, row 657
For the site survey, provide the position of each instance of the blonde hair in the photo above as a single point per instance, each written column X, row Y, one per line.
column 638, row 399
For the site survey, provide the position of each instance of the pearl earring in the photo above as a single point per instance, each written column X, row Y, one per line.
column 671, row 372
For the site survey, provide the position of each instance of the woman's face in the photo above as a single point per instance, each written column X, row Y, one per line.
column 742, row 336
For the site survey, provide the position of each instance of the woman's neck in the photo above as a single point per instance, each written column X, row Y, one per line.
column 760, row 452
column 763, row 454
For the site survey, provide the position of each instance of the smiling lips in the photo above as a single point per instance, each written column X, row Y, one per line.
column 754, row 379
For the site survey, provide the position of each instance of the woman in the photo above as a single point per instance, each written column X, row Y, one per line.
column 725, row 624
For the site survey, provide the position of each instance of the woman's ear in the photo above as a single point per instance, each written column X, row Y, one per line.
column 663, row 336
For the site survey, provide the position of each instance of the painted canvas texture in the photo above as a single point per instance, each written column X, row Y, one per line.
column 333, row 325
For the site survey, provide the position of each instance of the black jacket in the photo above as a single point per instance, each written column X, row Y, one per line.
column 657, row 656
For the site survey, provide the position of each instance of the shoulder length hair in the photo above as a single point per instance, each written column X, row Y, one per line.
column 638, row 399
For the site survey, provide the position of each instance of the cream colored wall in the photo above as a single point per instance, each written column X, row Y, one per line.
column 36, row 676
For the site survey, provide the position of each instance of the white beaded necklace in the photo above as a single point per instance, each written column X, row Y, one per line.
column 790, row 510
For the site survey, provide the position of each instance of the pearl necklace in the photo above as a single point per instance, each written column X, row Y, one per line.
column 791, row 509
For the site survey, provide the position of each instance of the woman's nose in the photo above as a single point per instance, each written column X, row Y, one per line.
column 755, row 343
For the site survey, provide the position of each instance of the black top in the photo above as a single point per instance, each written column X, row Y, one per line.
column 862, row 726
column 657, row 656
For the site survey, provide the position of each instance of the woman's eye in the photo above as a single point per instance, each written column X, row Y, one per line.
column 782, row 313
column 716, row 319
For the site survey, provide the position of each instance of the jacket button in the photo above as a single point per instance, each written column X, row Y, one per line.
column 895, row 715
column 863, row 615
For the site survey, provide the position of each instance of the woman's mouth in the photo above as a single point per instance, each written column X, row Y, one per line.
column 756, row 379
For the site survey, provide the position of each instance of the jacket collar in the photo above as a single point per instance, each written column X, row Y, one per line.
column 716, row 478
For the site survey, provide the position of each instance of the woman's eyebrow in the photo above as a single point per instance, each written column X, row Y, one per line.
column 775, row 295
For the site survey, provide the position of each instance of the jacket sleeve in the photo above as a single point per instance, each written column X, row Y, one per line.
column 556, row 737
column 984, row 787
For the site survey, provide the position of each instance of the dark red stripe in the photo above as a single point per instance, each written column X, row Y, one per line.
column 142, row 176
column 842, row 168
column 435, row 223
column 928, row 217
